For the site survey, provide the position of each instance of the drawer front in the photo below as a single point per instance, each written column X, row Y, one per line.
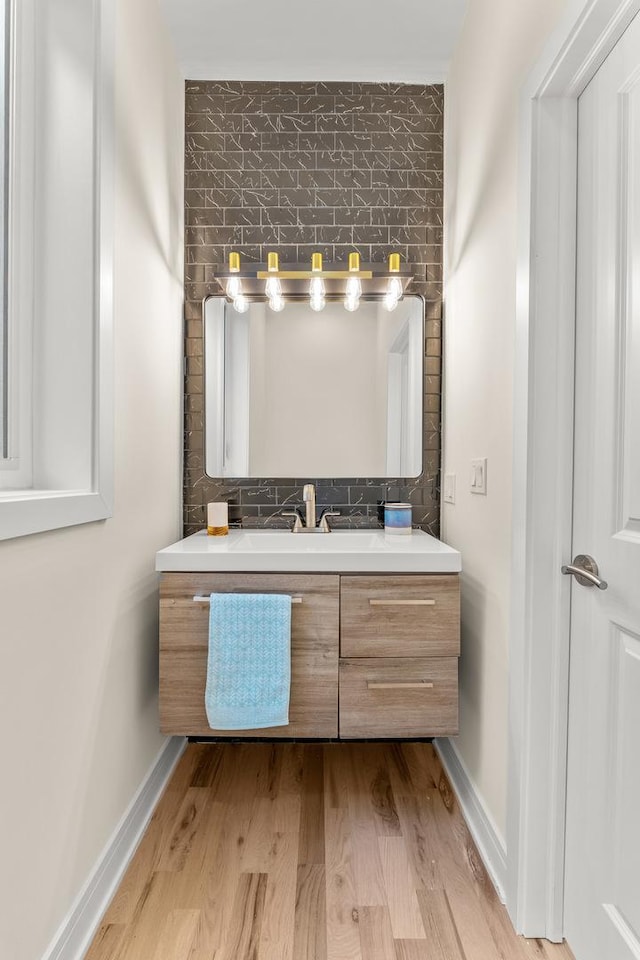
column 184, row 631
column 399, row 697
column 407, row 616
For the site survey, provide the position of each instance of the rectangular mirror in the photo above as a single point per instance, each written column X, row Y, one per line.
column 325, row 395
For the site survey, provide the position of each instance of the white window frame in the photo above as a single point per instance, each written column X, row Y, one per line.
column 30, row 499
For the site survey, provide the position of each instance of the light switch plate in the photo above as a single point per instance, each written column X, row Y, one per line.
column 449, row 494
column 479, row 476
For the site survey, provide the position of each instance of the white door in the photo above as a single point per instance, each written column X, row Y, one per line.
column 602, row 894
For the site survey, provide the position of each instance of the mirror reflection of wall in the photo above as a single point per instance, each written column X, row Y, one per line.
column 324, row 395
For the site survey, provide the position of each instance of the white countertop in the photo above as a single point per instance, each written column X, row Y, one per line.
column 342, row 551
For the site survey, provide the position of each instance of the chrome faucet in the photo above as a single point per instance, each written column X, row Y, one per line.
column 310, row 524
column 309, row 497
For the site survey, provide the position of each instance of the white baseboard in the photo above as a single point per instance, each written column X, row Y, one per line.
column 478, row 819
column 79, row 926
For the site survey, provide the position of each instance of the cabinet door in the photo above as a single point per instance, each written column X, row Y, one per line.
column 404, row 616
column 184, row 631
column 407, row 697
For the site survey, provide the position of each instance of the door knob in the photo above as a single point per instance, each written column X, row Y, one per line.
column 585, row 570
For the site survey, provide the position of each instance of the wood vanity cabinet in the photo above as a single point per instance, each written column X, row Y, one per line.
column 371, row 656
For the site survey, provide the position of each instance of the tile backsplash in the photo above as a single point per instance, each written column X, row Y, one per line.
column 300, row 168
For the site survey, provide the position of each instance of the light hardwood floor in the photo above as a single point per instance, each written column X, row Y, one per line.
column 309, row 852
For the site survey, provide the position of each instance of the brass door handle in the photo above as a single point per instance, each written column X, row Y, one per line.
column 402, row 603
column 400, row 685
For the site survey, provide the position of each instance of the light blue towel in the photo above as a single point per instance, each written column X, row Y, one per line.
column 249, row 667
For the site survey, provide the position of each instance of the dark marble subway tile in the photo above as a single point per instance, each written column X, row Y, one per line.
column 260, row 198
column 371, row 160
column 389, row 178
column 420, row 216
column 260, row 123
column 196, row 216
column 281, row 103
column 297, row 122
column 433, row 273
column 233, row 87
column 194, row 197
column 380, row 252
column 202, row 180
column 353, row 178
column 353, row 103
column 231, row 197
column 316, row 104
column 194, row 270
column 365, row 494
column 289, row 140
column 341, row 235
column 297, row 160
column 434, row 346
column 370, row 198
column 243, row 141
column 390, row 216
column 405, row 235
column 333, row 160
column 242, row 179
column 330, row 494
column 261, row 160
column 434, row 198
column 369, row 122
column 407, row 198
column 355, row 141
column 279, row 216
column 261, row 235
column 319, row 178
column 318, row 215
column 432, row 403
column 239, row 103
column 258, row 494
column 249, row 251
column 279, row 178
column 242, row 216
column 423, row 179
column 193, row 328
column 318, row 141
column 288, row 252
column 334, row 198
column 305, row 251
column 296, row 197
column 297, row 234
column 194, row 383
column 214, row 123
column 333, row 122
column 204, row 141
column 353, row 215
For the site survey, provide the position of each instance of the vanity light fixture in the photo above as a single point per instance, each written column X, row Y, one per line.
column 314, row 282
column 354, row 287
column 272, row 286
column 394, row 287
column 316, row 285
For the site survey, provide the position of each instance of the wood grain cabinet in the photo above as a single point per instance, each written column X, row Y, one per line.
column 371, row 656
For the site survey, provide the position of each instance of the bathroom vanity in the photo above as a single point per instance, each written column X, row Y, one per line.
column 375, row 629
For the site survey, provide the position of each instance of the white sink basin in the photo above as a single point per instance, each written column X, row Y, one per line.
column 342, row 551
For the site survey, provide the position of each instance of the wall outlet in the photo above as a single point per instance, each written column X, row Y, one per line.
column 479, row 476
column 449, row 494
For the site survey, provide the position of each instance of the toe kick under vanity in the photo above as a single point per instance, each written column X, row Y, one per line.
column 375, row 630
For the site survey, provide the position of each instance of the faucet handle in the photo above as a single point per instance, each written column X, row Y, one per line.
column 324, row 521
column 298, row 521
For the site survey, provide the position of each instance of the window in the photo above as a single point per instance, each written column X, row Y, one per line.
column 56, row 457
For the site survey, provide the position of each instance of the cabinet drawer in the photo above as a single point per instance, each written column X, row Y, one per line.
column 184, row 632
column 407, row 616
column 406, row 697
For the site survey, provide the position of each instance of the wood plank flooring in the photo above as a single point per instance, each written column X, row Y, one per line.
column 287, row 851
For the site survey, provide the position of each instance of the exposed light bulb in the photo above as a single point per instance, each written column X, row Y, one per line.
column 276, row 303
column 390, row 301
column 240, row 304
column 351, row 304
column 234, row 288
column 354, row 288
column 317, row 303
column 395, row 288
column 272, row 288
column 316, row 288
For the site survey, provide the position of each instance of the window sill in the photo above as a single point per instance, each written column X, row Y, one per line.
column 23, row 512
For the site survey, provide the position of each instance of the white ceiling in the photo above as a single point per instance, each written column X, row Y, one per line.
column 409, row 41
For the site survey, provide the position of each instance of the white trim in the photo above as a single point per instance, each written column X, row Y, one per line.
column 481, row 826
column 543, row 461
column 20, row 514
column 79, row 926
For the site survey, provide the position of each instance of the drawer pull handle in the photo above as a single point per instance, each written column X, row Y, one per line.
column 402, row 603
column 207, row 599
column 400, row 685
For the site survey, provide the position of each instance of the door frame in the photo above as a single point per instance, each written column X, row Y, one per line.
column 543, row 460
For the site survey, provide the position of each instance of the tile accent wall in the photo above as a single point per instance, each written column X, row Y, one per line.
column 300, row 167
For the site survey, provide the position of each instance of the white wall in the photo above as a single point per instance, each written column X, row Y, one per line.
column 78, row 651
column 500, row 42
